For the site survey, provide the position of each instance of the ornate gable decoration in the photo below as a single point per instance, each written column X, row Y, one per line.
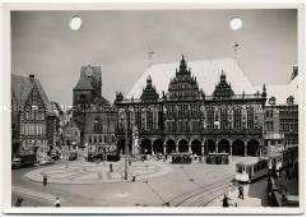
column 223, row 89
column 149, row 92
column 183, row 85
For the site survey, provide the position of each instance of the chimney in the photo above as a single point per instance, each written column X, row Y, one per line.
column 31, row 77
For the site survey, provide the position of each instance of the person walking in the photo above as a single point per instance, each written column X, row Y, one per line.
column 225, row 201
column 241, row 192
column 45, row 180
column 57, row 202
column 19, row 201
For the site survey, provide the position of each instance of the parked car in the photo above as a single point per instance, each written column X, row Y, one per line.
column 20, row 161
column 45, row 161
column 181, row 158
column 55, row 155
column 16, row 163
column 73, row 156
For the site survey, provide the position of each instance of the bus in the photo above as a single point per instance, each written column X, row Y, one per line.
column 251, row 170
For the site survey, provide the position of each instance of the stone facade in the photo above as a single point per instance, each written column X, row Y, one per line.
column 92, row 113
column 184, row 119
column 34, row 123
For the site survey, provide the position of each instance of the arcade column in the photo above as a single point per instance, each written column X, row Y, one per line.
column 203, row 148
column 231, row 148
column 189, row 148
column 217, row 146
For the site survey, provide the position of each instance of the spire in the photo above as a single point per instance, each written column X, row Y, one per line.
column 223, row 76
column 183, row 65
column 223, row 89
column 149, row 81
column 264, row 91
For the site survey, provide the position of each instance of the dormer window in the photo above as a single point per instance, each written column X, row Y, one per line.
column 272, row 101
column 290, row 100
column 34, row 107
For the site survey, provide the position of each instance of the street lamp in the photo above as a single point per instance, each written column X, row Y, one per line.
column 126, row 143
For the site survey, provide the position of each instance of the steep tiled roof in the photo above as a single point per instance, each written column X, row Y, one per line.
column 207, row 73
column 21, row 87
column 282, row 91
column 83, row 84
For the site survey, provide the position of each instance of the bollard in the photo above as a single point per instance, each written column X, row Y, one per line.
column 111, row 168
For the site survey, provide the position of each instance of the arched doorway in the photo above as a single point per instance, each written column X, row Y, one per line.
column 158, row 146
column 210, row 146
column 170, row 146
column 196, row 147
column 223, row 146
column 183, row 145
column 238, row 148
column 253, row 148
column 121, row 146
column 145, row 146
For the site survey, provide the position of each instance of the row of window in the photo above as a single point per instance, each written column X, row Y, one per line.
column 101, row 138
column 34, row 115
column 33, row 129
column 196, row 126
column 269, row 126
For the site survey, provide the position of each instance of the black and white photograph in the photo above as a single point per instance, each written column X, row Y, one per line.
column 155, row 107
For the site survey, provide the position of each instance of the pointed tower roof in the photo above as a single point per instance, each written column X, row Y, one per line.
column 149, row 92
column 223, row 89
column 83, row 84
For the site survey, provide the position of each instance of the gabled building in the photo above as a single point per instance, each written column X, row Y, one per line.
column 178, row 112
column 33, row 120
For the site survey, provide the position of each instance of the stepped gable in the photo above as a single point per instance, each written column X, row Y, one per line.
column 183, row 85
column 149, row 92
column 223, row 88
column 207, row 73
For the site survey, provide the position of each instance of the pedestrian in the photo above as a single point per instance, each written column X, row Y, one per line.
column 19, row 201
column 57, row 202
column 45, row 180
column 225, row 201
column 241, row 192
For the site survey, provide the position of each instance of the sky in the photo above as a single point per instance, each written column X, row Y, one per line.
column 119, row 41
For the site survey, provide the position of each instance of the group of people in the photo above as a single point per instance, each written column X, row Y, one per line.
column 226, row 199
column 20, row 199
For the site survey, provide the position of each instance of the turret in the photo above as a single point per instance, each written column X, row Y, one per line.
column 264, row 91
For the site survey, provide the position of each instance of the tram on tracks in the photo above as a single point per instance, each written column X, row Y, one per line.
column 251, row 170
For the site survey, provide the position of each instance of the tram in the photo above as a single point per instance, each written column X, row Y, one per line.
column 251, row 170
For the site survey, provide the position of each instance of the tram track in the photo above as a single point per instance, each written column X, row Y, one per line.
column 203, row 195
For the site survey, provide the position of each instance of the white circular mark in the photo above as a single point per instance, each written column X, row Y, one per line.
column 236, row 23
column 75, row 23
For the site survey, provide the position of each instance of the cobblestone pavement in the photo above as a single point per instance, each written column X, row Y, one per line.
column 80, row 172
column 255, row 195
column 195, row 184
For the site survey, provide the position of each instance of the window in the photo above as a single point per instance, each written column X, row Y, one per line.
column 210, row 119
column 237, row 119
column 224, row 117
column 149, row 120
column 250, row 117
column 98, row 125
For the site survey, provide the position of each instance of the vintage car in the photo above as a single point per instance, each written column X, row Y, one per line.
column 16, row 163
column 72, row 156
column 181, row 158
column 23, row 161
column 45, row 161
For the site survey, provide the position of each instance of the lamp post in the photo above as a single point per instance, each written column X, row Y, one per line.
column 126, row 143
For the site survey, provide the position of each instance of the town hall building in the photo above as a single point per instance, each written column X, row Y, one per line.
column 204, row 107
